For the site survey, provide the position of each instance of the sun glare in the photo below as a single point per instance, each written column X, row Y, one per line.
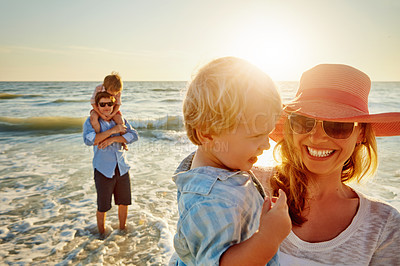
column 274, row 51
column 267, row 158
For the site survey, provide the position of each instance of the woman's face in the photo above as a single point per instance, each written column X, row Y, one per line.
column 324, row 155
column 106, row 108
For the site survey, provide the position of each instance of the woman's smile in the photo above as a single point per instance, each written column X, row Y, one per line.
column 319, row 153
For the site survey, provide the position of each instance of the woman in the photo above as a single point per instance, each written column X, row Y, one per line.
column 326, row 138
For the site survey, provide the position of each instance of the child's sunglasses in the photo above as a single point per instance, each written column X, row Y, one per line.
column 337, row 130
column 104, row 104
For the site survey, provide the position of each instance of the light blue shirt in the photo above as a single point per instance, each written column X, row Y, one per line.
column 217, row 209
column 105, row 160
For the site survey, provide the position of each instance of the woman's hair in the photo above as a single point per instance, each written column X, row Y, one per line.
column 113, row 82
column 216, row 96
column 291, row 173
column 103, row 94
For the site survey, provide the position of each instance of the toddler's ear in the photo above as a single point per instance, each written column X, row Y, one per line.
column 204, row 137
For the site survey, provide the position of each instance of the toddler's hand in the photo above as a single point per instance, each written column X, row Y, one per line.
column 275, row 217
column 119, row 129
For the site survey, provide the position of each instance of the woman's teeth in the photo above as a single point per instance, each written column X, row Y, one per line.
column 319, row 153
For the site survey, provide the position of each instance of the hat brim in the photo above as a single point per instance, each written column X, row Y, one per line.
column 383, row 124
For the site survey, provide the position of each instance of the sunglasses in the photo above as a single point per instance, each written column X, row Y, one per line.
column 104, row 104
column 337, row 130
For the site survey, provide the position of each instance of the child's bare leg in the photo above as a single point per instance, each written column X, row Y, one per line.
column 94, row 120
column 119, row 120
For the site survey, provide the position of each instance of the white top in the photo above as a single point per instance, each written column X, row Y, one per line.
column 372, row 238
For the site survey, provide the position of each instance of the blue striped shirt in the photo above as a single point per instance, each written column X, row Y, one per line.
column 105, row 160
column 217, row 209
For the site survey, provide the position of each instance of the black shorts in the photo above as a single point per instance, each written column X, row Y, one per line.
column 118, row 185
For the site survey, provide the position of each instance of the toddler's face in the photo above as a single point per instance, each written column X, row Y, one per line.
column 239, row 149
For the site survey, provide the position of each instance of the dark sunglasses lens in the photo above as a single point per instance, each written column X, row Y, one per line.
column 301, row 124
column 104, row 104
column 338, row 130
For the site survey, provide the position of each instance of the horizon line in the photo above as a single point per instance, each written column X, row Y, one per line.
column 152, row 81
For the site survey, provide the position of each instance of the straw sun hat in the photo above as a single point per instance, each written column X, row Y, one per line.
column 339, row 93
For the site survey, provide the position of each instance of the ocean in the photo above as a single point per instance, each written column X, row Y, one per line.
column 47, row 193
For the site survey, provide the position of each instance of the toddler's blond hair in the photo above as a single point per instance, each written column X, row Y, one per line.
column 113, row 83
column 217, row 96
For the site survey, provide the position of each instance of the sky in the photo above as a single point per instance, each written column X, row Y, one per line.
column 162, row 40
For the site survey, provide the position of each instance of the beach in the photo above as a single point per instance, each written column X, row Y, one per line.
column 47, row 193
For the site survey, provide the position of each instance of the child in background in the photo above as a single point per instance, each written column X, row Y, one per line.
column 113, row 85
column 229, row 110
